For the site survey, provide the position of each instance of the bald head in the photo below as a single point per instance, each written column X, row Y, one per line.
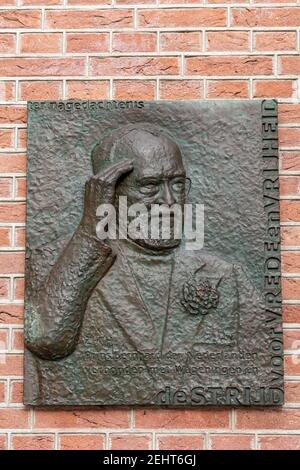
column 152, row 155
column 158, row 175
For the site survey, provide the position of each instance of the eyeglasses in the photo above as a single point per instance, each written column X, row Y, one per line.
column 152, row 187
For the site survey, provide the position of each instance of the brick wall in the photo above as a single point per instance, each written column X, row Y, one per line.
column 96, row 49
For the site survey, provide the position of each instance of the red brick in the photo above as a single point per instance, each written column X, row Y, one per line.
column 290, row 288
column 12, row 163
column 11, row 364
column 19, row 288
column 134, row 89
column 283, row 442
column 12, row 212
column 227, row 1
column 87, row 42
column 22, row 139
column 275, row 41
column 232, row 442
column 274, row 88
column 2, row 391
column 21, row 187
column 20, row 237
column 7, row 91
column 271, row 1
column 32, row 442
column 16, row 394
column 289, row 65
column 290, row 160
column 18, row 340
column 130, row 442
column 11, row 418
column 81, row 419
column 87, row 89
column 292, row 365
column 20, row 191
column 41, row 2
column 182, row 17
column 12, row 263
column 41, row 43
column 6, row 138
column 81, row 441
column 227, row 41
column 42, row 67
column 88, row 2
column 20, row 19
column 292, row 392
column 126, row 66
column 290, row 236
column 181, row 42
column 134, row 42
column 4, row 340
column 61, row 19
column 181, row 89
column 11, row 314
column 5, row 237
column 6, row 188
column 181, row 1
column 4, row 288
column 12, row 114
column 3, row 442
column 7, row 43
column 180, row 442
column 268, row 419
column 185, row 419
column 289, row 137
column 227, row 89
column 291, row 339
column 133, row 2
column 251, row 17
column 289, row 185
column 291, row 313
column 8, row 2
column 229, row 65
column 289, row 113
column 40, row 90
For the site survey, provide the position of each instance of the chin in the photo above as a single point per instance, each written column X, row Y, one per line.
column 158, row 245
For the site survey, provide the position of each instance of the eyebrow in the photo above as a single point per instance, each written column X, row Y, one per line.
column 157, row 177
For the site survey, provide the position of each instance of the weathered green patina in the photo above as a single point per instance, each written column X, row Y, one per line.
column 148, row 321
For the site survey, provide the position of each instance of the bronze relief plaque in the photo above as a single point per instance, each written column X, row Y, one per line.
column 153, row 254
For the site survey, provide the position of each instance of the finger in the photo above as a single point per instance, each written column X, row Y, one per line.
column 114, row 177
column 114, row 172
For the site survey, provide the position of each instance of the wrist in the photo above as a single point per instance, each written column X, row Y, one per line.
column 88, row 232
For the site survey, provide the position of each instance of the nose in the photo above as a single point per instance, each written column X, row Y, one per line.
column 167, row 196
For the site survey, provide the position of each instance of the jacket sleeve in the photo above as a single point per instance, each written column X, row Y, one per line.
column 54, row 313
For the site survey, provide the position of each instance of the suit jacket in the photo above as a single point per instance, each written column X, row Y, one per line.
column 143, row 331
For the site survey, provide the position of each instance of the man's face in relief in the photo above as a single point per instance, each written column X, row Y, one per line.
column 158, row 177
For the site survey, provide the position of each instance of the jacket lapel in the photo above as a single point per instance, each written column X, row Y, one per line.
column 122, row 298
column 181, row 327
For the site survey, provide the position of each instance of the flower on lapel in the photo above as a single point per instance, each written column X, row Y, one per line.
column 199, row 296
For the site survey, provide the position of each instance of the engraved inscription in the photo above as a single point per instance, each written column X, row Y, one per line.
column 115, row 315
column 272, row 243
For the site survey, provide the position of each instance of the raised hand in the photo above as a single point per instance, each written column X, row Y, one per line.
column 101, row 189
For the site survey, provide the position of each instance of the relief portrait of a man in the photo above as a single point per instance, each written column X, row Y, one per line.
column 116, row 321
